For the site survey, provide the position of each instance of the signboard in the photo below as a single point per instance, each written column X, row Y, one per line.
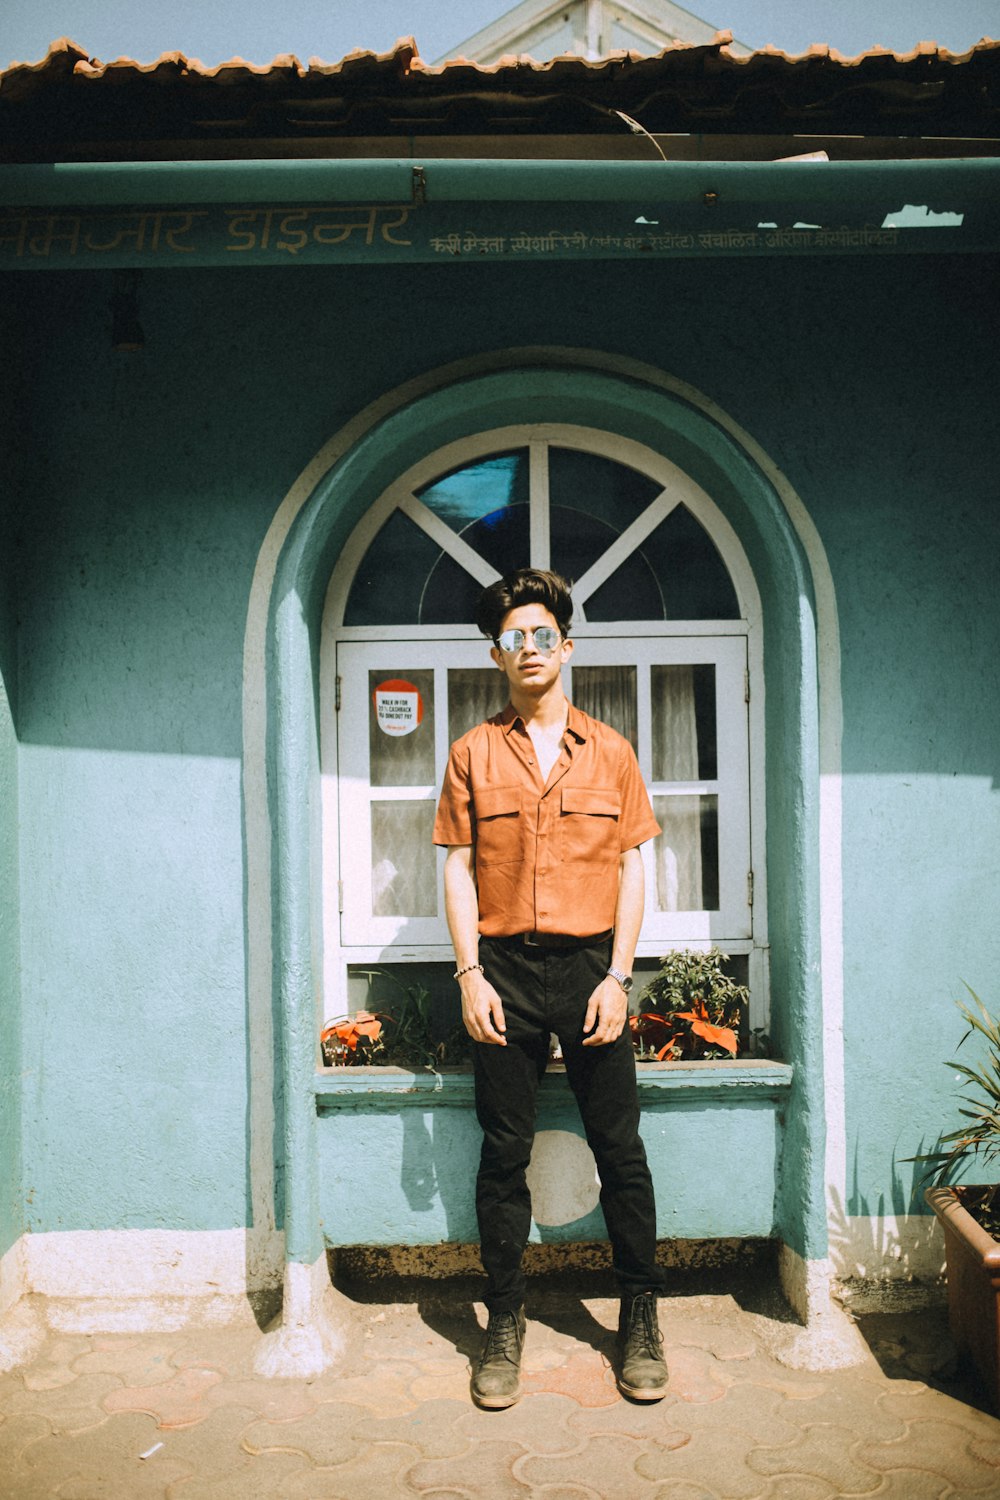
column 399, row 708
column 446, row 233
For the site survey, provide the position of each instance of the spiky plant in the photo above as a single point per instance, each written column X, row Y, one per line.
column 691, row 1008
column 978, row 1138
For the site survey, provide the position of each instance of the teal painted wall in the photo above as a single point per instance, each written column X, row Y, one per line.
column 11, row 1200
column 11, row 1203
column 416, row 1187
column 149, row 485
column 922, row 706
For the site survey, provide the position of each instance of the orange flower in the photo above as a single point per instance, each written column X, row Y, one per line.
column 351, row 1029
column 715, row 1036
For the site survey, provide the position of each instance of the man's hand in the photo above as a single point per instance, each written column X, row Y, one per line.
column 606, row 1014
column 482, row 1010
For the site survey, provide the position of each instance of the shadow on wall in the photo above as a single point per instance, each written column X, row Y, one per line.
column 418, row 1174
column 438, row 1166
column 885, row 1238
column 440, row 1156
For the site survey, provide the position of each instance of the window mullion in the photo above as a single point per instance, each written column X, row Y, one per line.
column 644, row 734
column 442, row 746
column 449, row 540
column 540, row 546
column 644, row 711
column 631, row 538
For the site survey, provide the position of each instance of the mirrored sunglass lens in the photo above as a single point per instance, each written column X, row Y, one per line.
column 545, row 637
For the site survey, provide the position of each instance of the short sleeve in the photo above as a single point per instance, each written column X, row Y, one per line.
column 453, row 824
column 636, row 822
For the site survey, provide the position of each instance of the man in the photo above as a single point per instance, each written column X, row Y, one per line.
column 542, row 811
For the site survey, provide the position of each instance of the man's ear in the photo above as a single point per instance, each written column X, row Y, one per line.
column 566, row 651
column 497, row 656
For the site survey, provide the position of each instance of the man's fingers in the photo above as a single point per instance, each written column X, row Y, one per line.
column 594, row 1021
column 484, row 1017
column 494, row 1024
column 608, row 1014
column 598, row 1038
column 602, row 1036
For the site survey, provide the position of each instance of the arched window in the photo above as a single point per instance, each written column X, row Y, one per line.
column 665, row 621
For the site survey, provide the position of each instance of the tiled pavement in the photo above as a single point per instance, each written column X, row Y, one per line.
column 182, row 1417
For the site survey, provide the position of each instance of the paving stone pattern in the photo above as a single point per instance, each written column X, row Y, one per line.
column 396, row 1420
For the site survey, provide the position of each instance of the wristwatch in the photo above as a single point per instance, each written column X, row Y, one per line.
column 625, row 980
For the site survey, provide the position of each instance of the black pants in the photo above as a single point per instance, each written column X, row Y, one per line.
column 546, row 990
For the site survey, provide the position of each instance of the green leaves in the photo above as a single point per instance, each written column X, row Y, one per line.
column 691, row 1008
column 979, row 1139
column 399, row 1034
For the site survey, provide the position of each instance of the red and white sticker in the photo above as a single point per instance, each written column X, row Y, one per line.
column 399, row 707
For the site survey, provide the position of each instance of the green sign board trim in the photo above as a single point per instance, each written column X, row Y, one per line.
column 290, row 233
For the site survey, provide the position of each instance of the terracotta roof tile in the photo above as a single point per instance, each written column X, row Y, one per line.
column 48, row 108
column 65, row 55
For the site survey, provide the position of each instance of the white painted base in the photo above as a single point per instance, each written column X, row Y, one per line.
column 21, row 1328
column 13, row 1283
column 149, row 1280
column 151, row 1263
column 312, row 1334
column 887, row 1248
column 828, row 1339
column 22, row 1333
column 144, row 1314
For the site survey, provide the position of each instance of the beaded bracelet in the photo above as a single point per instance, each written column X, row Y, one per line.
column 469, row 968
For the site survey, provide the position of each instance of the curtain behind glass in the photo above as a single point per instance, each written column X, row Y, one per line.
column 474, row 694
column 675, row 758
column 609, row 694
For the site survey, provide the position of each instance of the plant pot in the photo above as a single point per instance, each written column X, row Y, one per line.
column 972, row 1262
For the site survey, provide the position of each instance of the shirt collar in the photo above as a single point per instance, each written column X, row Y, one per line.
column 576, row 721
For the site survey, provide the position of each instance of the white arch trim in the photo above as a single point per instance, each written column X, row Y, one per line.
column 258, row 834
column 678, row 489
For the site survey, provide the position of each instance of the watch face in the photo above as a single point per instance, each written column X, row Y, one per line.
column 627, row 983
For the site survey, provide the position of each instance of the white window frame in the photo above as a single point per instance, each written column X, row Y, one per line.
column 344, row 672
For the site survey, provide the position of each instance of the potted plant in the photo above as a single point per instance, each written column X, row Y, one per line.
column 402, row 1036
column 690, row 1009
column 970, row 1215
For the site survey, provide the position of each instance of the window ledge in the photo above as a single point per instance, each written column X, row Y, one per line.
column 750, row 1079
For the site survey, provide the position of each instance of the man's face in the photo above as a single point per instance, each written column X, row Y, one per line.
column 528, row 670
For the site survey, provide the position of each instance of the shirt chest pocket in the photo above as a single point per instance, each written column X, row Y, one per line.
column 589, row 823
column 499, row 825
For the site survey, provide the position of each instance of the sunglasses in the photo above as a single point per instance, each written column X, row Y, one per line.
column 546, row 639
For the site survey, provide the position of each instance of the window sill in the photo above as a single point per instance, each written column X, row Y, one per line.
column 750, row 1079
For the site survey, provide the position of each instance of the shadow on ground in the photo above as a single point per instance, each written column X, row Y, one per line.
column 448, row 1304
column 906, row 1329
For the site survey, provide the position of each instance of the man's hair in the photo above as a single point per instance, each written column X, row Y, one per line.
column 525, row 586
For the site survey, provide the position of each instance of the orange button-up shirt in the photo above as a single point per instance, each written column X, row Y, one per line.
column 547, row 857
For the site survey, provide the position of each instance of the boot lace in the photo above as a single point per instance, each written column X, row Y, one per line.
column 644, row 1328
column 501, row 1338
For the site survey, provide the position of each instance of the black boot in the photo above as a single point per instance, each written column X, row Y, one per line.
column 643, row 1369
column 496, row 1380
